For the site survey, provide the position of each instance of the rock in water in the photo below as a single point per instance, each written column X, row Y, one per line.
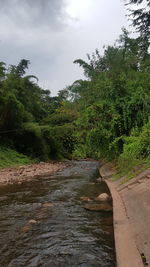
column 86, row 198
column 104, row 197
column 99, row 179
column 47, row 204
column 26, row 228
column 32, row 221
column 98, row 207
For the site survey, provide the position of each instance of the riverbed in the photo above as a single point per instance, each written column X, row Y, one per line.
column 44, row 223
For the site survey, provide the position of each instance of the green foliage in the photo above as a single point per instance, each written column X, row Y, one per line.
column 114, row 101
column 29, row 117
column 45, row 142
column 79, row 152
column 61, row 116
column 105, row 116
column 53, row 145
column 65, row 138
column 136, row 151
column 2, row 70
column 12, row 112
column 141, row 16
column 31, row 142
column 137, row 146
column 9, row 157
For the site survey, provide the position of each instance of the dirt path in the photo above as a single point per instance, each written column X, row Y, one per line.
column 29, row 172
column 131, row 205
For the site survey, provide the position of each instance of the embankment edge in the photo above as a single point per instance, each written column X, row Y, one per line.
column 127, row 254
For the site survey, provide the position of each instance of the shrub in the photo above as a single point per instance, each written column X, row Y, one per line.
column 31, row 142
column 10, row 157
column 136, row 148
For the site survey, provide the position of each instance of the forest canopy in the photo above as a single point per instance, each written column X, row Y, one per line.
column 104, row 116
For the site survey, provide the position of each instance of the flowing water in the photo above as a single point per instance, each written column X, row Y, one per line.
column 43, row 223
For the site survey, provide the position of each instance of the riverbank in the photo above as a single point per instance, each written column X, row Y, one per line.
column 131, row 217
column 29, row 172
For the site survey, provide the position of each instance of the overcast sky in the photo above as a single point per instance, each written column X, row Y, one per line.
column 53, row 33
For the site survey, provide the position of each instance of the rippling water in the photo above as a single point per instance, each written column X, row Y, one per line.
column 43, row 223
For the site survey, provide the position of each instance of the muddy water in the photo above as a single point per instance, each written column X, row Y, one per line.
column 43, row 223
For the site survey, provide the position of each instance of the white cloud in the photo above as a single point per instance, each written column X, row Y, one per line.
column 52, row 35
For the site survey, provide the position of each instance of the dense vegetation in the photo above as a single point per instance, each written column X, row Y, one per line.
column 31, row 121
column 10, row 157
column 114, row 102
column 107, row 115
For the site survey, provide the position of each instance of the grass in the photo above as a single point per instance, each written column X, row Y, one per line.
column 129, row 171
column 10, row 157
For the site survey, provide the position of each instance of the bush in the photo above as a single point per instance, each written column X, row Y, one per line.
column 53, row 146
column 136, row 148
column 31, row 142
column 10, row 157
column 45, row 142
column 65, row 139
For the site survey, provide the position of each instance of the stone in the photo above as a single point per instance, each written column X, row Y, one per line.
column 99, row 179
column 47, row 204
column 26, row 228
column 98, row 207
column 32, row 221
column 104, row 197
column 85, row 198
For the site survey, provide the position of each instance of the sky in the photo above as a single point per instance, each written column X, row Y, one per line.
column 54, row 33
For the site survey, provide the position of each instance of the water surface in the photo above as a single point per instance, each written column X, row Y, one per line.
column 62, row 233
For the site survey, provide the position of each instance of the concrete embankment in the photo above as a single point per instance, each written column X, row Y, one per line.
column 131, row 217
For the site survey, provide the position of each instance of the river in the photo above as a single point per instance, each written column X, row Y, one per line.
column 43, row 222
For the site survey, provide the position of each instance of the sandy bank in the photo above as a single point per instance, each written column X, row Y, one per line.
column 131, row 216
column 29, row 172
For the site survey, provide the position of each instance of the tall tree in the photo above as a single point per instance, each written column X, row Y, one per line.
column 141, row 16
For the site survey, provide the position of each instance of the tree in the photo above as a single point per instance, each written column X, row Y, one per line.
column 20, row 69
column 115, row 98
column 2, row 70
column 141, row 17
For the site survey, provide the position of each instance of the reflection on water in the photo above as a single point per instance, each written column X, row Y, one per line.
column 43, row 223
